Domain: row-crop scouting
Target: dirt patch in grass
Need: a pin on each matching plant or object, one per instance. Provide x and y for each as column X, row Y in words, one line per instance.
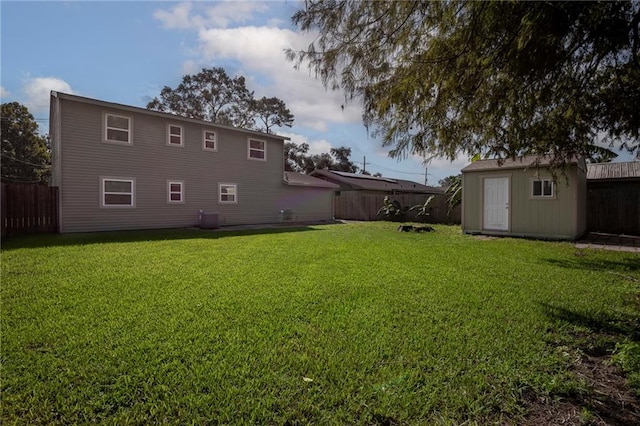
column 608, row 401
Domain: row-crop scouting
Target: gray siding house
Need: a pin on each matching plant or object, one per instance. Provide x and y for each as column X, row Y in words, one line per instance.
column 120, row 167
column 522, row 198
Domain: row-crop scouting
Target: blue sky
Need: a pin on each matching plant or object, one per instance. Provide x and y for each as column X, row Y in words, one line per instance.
column 125, row 52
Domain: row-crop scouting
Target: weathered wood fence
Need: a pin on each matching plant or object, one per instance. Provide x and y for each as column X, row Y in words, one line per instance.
column 356, row 205
column 613, row 208
column 28, row 209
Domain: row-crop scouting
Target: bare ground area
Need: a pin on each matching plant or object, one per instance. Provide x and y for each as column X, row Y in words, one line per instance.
column 608, row 400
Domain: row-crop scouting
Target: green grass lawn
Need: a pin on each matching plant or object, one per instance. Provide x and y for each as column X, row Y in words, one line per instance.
column 335, row 324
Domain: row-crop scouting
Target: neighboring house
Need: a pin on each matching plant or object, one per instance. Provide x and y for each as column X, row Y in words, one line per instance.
column 360, row 197
column 119, row 167
column 613, row 197
column 521, row 198
column 372, row 184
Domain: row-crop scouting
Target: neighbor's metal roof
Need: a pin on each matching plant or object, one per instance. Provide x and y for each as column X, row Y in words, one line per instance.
column 298, row 179
column 373, row 183
column 599, row 171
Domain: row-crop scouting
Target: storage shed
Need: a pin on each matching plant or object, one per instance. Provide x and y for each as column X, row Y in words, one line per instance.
column 613, row 197
column 521, row 198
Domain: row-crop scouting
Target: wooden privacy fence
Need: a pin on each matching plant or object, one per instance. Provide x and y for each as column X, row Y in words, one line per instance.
column 356, row 205
column 28, row 209
column 613, row 208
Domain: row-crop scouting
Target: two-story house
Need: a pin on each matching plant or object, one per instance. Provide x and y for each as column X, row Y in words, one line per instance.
column 120, row 167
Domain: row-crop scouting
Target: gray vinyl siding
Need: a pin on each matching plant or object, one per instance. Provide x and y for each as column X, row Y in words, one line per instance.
column 562, row 217
column 85, row 158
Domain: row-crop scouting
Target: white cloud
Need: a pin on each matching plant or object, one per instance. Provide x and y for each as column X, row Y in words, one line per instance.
column 179, row 17
column 315, row 147
column 4, row 93
column 257, row 52
column 219, row 15
column 37, row 92
column 261, row 50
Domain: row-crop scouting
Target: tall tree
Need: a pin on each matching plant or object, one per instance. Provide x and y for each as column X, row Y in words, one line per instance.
column 498, row 78
column 297, row 159
column 342, row 162
column 212, row 95
column 209, row 95
column 25, row 156
column 272, row 112
column 295, row 156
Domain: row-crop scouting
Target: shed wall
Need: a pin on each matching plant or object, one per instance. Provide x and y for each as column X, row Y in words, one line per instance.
column 85, row 158
column 562, row 217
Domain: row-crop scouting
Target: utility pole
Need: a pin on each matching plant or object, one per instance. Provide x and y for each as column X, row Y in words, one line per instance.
column 425, row 176
column 364, row 165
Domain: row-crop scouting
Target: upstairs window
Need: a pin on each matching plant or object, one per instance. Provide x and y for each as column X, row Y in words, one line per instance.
column 228, row 193
column 175, row 191
column 117, row 192
column 117, row 128
column 542, row 188
column 257, row 149
column 209, row 142
column 174, row 135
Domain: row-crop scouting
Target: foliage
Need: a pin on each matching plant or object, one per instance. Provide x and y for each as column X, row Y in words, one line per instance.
column 446, row 182
column 455, row 192
column 392, row 209
column 423, row 209
column 389, row 329
column 297, row 159
column 342, row 162
column 272, row 112
column 212, row 95
column 447, row 78
column 628, row 358
column 25, row 154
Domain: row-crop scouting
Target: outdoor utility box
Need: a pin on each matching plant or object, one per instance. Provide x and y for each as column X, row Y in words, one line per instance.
column 208, row 220
column 286, row 215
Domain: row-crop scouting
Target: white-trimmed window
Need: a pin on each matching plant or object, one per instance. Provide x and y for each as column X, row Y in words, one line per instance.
column 257, row 149
column 117, row 128
column 174, row 135
column 227, row 193
column 175, row 191
column 117, row 192
column 542, row 188
column 209, row 140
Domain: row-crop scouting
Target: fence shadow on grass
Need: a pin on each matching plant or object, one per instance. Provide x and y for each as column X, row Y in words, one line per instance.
column 75, row 239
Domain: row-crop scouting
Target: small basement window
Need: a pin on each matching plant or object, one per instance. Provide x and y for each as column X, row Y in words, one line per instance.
column 542, row 188
column 174, row 135
column 117, row 192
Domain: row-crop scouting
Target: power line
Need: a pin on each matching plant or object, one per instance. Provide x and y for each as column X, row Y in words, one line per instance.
column 42, row 166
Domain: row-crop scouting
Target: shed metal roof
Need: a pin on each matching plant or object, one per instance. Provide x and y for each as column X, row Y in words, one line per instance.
column 602, row 171
column 518, row 163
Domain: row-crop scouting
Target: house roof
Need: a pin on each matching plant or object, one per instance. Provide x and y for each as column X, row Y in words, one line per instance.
column 175, row 117
column 602, row 171
column 373, row 183
column 518, row 163
column 299, row 179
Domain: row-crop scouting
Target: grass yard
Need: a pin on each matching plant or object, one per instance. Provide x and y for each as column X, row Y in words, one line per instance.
column 335, row 324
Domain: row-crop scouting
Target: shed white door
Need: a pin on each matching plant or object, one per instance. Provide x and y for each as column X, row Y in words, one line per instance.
column 496, row 204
